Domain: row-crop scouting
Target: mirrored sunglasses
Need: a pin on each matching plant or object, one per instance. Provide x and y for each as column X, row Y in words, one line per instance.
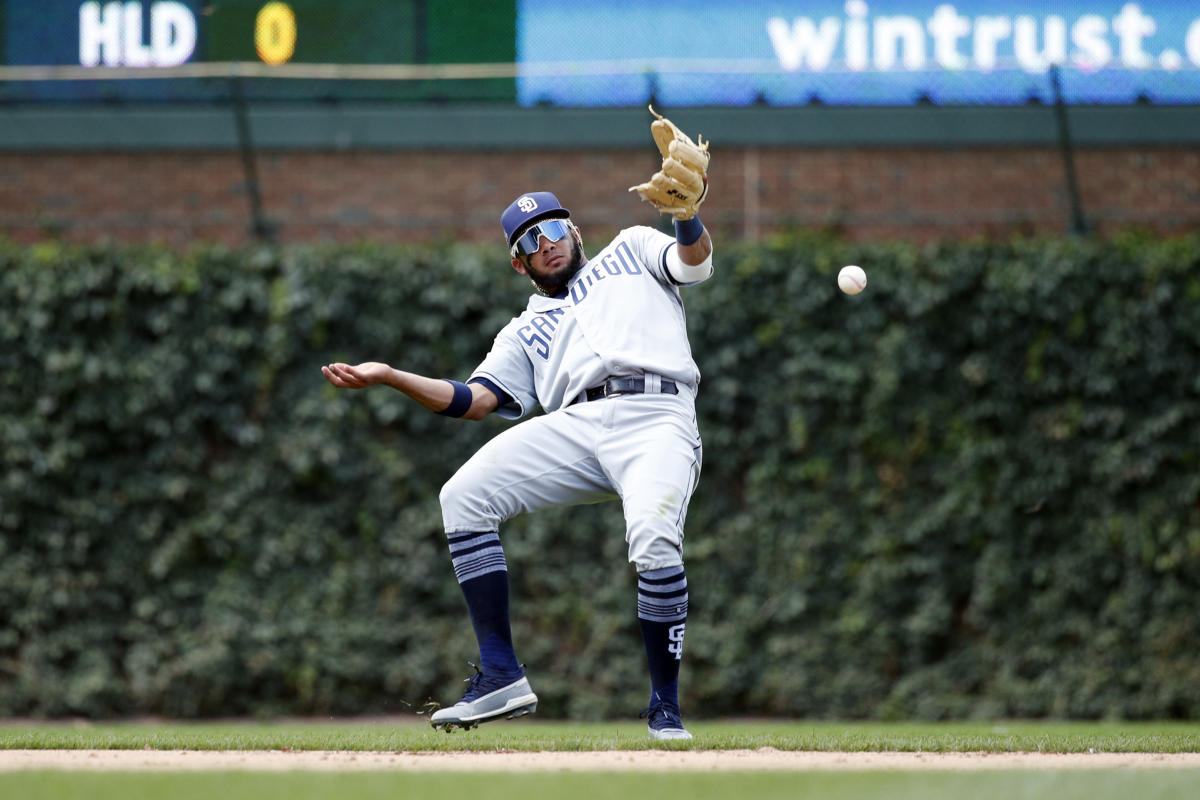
column 530, row 241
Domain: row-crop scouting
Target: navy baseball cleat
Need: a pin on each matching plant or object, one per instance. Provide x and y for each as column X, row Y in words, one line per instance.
column 664, row 723
column 487, row 699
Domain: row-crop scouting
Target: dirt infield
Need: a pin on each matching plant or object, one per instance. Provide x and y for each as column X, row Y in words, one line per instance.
column 614, row 760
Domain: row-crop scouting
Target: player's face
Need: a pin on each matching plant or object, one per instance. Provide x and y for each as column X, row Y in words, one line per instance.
column 553, row 264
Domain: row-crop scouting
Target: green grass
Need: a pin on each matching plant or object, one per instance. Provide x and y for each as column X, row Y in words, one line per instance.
column 410, row 735
column 1165, row 784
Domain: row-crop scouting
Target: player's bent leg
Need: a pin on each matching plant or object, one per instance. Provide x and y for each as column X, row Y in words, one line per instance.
column 523, row 469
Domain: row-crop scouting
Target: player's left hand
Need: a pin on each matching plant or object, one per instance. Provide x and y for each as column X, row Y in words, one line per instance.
column 681, row 185
column 368, row 373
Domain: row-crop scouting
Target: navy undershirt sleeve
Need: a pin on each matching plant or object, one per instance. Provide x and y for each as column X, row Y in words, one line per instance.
column 502, row 396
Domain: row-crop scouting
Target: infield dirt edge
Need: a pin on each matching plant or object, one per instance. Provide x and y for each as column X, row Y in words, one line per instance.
column 599, row 761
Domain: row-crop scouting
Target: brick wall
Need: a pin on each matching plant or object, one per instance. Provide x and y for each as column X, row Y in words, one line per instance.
column 917, row 194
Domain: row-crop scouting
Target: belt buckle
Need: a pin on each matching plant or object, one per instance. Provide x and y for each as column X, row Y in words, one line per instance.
column 607, row 394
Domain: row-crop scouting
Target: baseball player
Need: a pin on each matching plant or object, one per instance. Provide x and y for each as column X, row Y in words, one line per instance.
column 602, row 347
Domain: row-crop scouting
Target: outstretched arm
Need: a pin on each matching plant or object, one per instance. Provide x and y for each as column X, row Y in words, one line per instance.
column 433, row 393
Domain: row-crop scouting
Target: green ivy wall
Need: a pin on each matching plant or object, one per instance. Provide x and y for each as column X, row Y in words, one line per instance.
column 971, row 491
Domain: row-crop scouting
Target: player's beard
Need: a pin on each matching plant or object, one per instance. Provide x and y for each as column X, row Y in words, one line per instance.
column 554, row 283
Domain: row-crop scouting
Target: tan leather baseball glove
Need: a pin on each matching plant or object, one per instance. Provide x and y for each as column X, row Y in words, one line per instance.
column 681, row 185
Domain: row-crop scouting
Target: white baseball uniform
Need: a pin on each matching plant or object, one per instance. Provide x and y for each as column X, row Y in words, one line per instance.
column 621, row 315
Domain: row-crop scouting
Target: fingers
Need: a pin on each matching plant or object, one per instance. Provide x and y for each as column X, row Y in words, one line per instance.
column 343, row 376
column 332, row 376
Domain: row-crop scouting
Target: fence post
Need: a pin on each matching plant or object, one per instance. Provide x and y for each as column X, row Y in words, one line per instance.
column 260, row 228
column 1078, row 224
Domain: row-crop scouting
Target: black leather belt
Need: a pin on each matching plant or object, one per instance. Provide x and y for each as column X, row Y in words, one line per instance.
column 631, row 385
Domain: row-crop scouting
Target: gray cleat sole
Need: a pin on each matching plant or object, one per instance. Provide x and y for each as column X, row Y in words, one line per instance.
column 466, row 724
column 669, row 735
column 515, row 700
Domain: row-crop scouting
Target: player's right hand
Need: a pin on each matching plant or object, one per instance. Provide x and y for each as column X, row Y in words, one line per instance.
column 368, row 373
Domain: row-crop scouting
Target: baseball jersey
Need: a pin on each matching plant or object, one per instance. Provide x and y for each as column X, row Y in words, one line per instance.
column 621, row 315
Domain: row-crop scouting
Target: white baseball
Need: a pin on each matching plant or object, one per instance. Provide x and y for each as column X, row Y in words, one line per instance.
column 852, row 279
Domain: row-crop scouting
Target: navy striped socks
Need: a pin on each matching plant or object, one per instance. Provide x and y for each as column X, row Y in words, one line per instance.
column 482, row 574
column 662, row 614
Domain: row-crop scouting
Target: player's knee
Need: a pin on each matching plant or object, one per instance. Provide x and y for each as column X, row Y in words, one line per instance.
column 454, row 493
column 466, row 506
column 652, row 549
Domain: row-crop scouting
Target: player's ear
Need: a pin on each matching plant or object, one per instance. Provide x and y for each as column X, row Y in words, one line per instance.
column 519, row 266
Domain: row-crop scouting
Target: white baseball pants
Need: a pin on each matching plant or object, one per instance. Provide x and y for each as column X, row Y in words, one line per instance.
column 643, row 448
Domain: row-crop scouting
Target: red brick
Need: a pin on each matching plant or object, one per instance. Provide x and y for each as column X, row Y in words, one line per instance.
column 916, row 194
